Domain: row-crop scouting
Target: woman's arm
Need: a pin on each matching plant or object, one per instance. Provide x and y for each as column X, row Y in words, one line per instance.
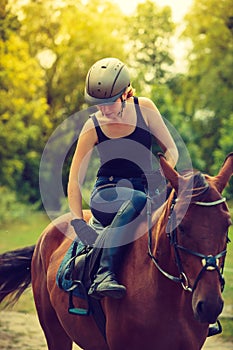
column 159, row 129
column 79, row 165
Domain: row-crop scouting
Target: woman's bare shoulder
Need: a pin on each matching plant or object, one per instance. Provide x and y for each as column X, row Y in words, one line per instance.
column 88, row 125
column 146, row 102
column 148, row 108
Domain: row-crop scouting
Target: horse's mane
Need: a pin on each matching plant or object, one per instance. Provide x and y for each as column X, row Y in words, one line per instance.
column 195, row 186
column 199, row 181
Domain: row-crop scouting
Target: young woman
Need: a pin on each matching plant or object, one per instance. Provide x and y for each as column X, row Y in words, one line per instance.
column 121, row 130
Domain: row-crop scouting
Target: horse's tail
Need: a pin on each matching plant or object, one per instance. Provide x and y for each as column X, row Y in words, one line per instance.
column 15, row 273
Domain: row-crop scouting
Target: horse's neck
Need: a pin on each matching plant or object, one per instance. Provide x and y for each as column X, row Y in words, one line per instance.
column 139, row 268
column 161, row 247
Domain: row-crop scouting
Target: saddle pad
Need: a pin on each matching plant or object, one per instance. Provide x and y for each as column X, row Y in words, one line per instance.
column 64, row 275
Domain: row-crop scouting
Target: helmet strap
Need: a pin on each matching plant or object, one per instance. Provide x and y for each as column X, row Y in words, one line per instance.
column 123, row 104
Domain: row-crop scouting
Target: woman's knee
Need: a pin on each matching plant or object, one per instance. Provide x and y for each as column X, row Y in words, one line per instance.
column 139, row 200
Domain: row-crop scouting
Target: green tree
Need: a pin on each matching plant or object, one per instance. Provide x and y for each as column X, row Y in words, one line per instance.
column 149, row 36
column 67, row 38
column 23, row 108
column 225, row 147
column 208, row 87
column 46, row 49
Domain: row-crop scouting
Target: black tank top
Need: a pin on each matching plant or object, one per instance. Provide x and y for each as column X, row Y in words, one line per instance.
column 128, row 156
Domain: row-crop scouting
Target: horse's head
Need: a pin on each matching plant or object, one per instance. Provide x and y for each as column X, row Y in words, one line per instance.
column 199, row 235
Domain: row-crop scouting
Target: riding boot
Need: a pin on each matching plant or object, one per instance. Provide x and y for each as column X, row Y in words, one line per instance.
column 105, row 282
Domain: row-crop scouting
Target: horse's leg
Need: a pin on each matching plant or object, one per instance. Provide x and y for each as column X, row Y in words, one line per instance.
column 56, row 337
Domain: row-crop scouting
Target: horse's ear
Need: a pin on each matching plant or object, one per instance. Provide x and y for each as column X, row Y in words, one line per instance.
column 171, row 175
column 224, row 174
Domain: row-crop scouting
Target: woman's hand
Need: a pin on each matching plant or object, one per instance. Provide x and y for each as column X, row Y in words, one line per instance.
column 84, row 232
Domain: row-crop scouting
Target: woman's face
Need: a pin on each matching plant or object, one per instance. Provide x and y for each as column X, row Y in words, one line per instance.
column 111, row 110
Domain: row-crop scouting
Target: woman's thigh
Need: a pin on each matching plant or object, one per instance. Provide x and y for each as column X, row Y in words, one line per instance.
column 106, row 202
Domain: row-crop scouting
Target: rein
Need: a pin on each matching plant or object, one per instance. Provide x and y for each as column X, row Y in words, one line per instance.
column 209, row 262
column 166, row 274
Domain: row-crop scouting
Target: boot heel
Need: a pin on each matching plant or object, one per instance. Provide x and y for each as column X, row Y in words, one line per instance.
column 109, row 287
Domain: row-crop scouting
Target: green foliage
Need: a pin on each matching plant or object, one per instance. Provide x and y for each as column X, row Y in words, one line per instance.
column 43, row 70
column 8, row 22
column 10, row 208
column 23, row 111
column 211, row 55
column 225, row 147
column 209, row 78
column 149, row 34
column 64, row 38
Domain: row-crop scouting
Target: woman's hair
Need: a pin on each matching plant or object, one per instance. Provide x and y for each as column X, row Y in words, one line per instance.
column 130, row 91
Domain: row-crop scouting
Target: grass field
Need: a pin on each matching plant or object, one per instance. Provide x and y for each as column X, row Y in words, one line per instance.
column 26, row 232
column 22, row 233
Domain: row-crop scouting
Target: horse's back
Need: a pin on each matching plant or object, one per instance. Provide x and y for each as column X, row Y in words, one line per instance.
column 52, row 247
column 58, row 235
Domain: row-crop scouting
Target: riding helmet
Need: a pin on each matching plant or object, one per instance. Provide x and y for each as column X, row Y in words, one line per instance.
column 106, row 81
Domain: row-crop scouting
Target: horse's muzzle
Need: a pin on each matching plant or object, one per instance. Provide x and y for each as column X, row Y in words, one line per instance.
column 207, row 310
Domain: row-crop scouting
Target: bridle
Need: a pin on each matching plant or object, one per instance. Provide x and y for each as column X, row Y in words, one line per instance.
column 209, row 262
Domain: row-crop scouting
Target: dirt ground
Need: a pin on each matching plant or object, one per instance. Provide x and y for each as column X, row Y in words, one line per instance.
column 20, row 331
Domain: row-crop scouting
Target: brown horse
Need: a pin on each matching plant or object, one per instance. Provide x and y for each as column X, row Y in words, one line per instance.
column 173, row 293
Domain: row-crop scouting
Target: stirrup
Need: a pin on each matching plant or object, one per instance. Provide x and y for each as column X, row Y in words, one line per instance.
column 215, row 329
column 74, row 310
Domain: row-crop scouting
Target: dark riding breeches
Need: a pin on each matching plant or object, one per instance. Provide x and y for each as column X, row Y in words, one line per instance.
column 110, row 194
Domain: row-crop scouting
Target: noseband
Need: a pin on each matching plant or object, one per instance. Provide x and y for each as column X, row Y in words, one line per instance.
column 209, row 262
